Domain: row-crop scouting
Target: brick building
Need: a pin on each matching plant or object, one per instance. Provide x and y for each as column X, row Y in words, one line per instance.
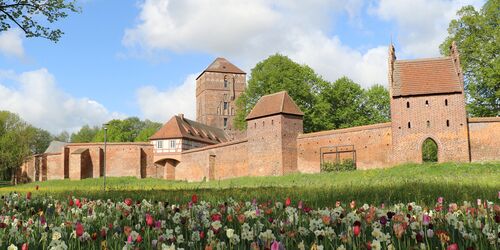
column 427, row 104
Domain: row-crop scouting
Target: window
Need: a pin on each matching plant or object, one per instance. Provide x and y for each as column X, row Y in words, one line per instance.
column 447, row 123
column 408, row 104
column 225, row 81
column 426, row 103
column 225, row 105
column 159, row 144
column 445, row 102
column 428, row 124
column 409, row 125
column 225, row 122
column 172, row 143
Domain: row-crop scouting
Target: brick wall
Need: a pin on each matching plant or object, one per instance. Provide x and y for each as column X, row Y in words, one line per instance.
column 221, row 161
column 54, row 167
column 439, row 117
column 372, row 145
column 484, row 138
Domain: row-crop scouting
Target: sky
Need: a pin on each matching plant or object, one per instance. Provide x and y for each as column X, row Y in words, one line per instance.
column 140, row 58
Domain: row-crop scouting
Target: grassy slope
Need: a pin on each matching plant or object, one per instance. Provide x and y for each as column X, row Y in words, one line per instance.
column 421, row 183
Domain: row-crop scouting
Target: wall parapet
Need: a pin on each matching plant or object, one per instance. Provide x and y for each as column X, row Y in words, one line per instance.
column 483, row 119
column 224, row 144
column 345, row 130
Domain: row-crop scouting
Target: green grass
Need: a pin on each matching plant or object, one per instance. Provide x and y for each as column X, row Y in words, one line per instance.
column 405, row 183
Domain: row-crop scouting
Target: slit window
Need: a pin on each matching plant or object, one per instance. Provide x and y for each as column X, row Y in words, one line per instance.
column 428, row 124
column 225, row 122
column 408, row 104
column 409, row 125
column 447, row 123
column 225, row 81
column 426, row 103
column 445, row 102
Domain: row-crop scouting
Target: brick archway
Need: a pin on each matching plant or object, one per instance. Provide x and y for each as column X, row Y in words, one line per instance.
column 429, row 150
column 168, row 166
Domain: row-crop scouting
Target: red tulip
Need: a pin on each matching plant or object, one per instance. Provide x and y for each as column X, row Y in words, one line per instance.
column 216, row 217
column 149, row 220
column 71, row 203
column 128, row 201
column 103, row 233
column 25, row 246
column 139, row 239
column 453, row 246
column 194, row 198
column 79, row 229
column 28, row 195
column 288, row 202
column 356, row 230
column 202, row 235
column 77, row 203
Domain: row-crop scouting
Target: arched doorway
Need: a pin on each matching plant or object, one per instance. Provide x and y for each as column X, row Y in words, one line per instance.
column 166, row 168
column 429, row 150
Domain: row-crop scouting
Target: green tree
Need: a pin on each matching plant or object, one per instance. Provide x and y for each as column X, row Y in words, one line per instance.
column 341, row 105
column 477, row 35
column 28, row 15
column 147, row 131
column 39, row 139
column 377, row 104
column 278, row 73
column 63, row 136
column 85, row 134
column 14, row 143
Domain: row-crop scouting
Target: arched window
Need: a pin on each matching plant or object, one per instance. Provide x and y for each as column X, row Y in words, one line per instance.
column 429, row 151
column 428, row 124
column 225, row 81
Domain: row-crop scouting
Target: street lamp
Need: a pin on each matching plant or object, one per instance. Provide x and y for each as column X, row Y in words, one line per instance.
column 104, row 161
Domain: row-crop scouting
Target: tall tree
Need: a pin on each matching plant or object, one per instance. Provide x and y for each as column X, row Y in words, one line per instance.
column 63, row 136
column 85, row 134
column 28, row 15
column 278, row 73
column 477, row 35
column 14, row 143
column 147, row 131
column 377, row 104
column 39, row 139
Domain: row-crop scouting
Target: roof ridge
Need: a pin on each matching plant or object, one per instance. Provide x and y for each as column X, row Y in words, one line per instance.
column 425, row 59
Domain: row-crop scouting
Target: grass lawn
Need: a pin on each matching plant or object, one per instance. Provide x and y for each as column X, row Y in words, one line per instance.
column 411, row 182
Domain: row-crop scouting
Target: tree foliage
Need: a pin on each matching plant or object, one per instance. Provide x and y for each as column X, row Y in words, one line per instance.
column 29, row 16
column 477, row 35
column 326, row 105
column 126, row 130
column 85, row 134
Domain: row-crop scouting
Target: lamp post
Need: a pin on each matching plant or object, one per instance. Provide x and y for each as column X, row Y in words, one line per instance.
column 104, row 161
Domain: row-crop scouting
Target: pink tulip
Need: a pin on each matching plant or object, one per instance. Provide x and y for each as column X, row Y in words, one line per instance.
column 426, row 219
column 300, row 205
column 479, row 203
column 149, row 220
column 275, row 245
column 440, row 200
column 453, row 246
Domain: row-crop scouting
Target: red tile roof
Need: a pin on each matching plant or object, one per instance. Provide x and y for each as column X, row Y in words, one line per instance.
column 277, row 103
column 425, row 76
column 222, row 65
column 180, row 127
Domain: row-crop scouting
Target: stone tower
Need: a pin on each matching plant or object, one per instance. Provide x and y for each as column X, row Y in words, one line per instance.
column 427, row 102
column 272, row 129
column 217, row 89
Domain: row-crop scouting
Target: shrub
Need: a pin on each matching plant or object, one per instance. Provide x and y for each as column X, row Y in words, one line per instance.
column 340, row 166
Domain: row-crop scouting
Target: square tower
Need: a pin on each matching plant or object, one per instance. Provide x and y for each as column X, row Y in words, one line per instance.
column 217, row 89
column 427, row 102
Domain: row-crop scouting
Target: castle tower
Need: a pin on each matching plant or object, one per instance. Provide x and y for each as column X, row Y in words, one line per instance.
column 272, row 129
column 427, row 102
column 217, row 89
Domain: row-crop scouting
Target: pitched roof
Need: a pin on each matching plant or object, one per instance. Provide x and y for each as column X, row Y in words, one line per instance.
column 277, row 103
column 222, row 65
column 425, row 76
column 180, row 127
column 55, row 147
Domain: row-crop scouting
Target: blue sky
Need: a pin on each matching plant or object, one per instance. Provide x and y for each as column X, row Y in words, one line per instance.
column 140, row 58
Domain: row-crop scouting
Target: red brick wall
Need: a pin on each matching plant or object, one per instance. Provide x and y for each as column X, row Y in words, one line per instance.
column 484, row 138
column 230, row 161
column 291, row 127
column 372, row 145
column 451, row 140
column 55, row 167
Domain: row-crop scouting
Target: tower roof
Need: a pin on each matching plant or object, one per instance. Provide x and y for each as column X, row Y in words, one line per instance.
column 425, row 76
column 180, row 127
column 277, row 103
column 222, row 65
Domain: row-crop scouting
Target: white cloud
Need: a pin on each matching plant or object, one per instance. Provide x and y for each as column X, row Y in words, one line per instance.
column 422, row 24
column 36, row 98
column 11, row 43
column 162, row 105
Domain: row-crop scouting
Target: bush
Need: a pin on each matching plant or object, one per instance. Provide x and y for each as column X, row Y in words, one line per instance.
column 341, row 166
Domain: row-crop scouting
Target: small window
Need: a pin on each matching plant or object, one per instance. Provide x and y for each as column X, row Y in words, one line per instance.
column 409, row 125
column 225, row 122
column 445, row 102
column 172, row 143
column 426, row 103
column 408, row 104
column 447, row 123
column 159, row 144
column 225, row 81
column 254, row 125
column 225, row 105
column 272, row 122
column 428, row 124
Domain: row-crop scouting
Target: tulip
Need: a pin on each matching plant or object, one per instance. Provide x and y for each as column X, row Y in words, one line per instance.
column 28, row 195
column 300, row 205
column 440, row 200
column 77, row 203
column 149, row 220
column 139, row 239
column 353, row 204
column 453, row 246
column 71, row 203
column 479, row 203
column 194, row 198
column 356, row 230
column 128, row 201
column 79, row 229
column 25, row 246
column 288, row 201
column 275, row 245
column 202, row 234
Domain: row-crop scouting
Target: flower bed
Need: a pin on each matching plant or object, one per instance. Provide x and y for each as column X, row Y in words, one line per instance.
column 45, row 223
